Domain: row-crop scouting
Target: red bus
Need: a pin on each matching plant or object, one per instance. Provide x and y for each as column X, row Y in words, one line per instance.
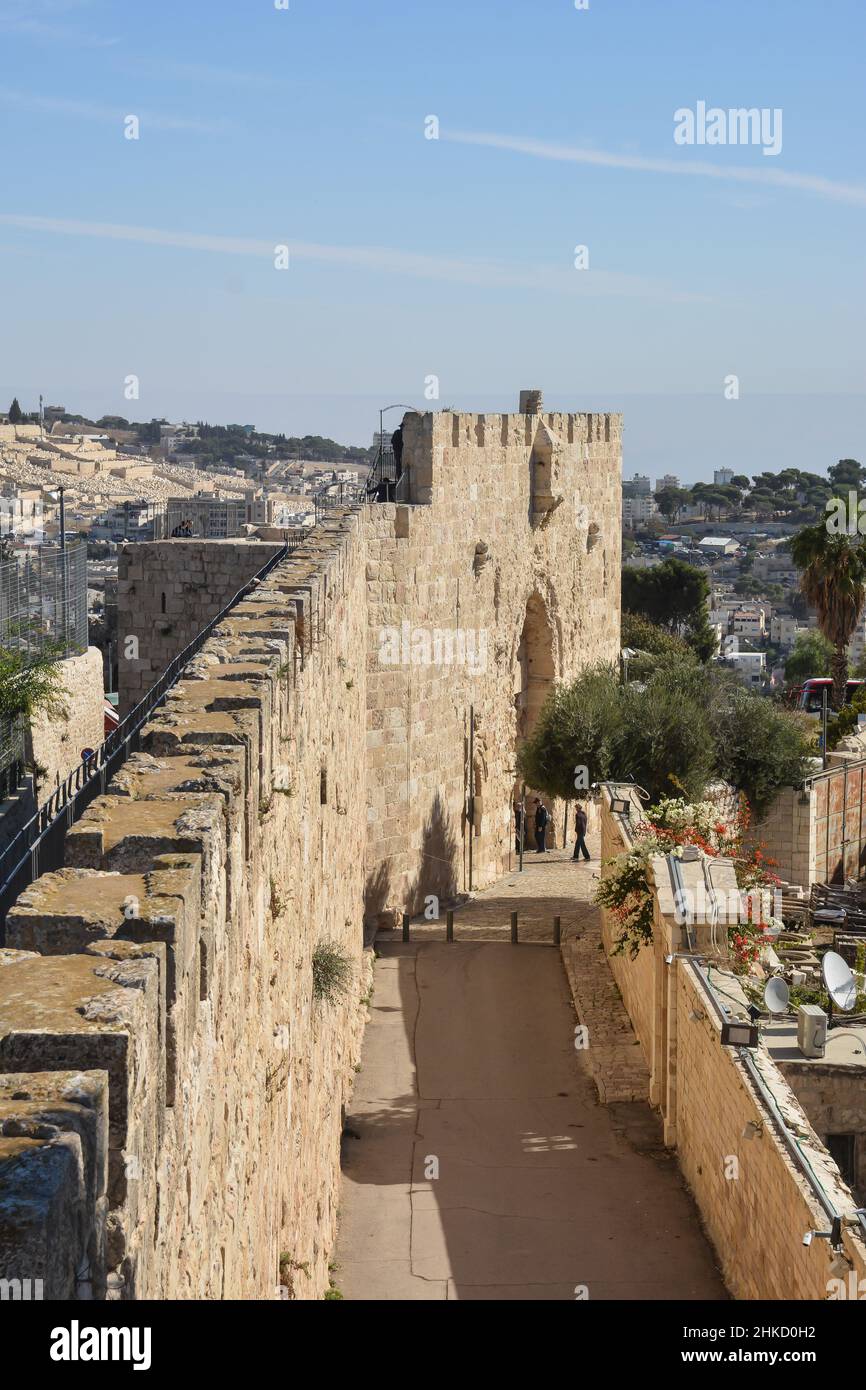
column 810, row 696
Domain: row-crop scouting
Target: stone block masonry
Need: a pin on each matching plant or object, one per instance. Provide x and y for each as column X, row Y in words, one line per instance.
column 509, row 546
column 167, row 591
column 56, row 741
column 755, row 1201
column 171, row 1089
column 343, row 747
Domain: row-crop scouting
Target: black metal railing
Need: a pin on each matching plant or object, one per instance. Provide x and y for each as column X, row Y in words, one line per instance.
column 11, row 758
column 386, row 481
column 38, row 846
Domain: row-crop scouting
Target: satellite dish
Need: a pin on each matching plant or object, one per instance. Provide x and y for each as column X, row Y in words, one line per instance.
column 777, row 995
column 839, row 980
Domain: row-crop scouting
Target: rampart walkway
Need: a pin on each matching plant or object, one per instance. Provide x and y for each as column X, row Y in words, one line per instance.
column 469, row 1065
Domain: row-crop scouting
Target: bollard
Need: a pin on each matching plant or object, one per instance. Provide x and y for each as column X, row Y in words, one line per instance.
column 449, row 926
column 405, row 926
column 514, row 928
column 557, row 931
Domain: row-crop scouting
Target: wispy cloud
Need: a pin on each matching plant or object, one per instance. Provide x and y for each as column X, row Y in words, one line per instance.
column 90, row 111
column 387, row 260
column 852, row 193
column 38, row 19
column 199, row 72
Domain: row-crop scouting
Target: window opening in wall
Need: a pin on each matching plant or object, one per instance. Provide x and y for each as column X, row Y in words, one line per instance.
column 323, row 787
column 841, row 1148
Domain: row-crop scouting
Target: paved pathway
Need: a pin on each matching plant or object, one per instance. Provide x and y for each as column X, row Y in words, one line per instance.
column 469, row 1071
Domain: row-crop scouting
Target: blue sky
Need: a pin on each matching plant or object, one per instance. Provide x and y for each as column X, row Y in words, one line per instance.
column 453, row 257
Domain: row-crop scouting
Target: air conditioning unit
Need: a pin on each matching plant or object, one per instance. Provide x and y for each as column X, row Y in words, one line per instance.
column 811, row 1030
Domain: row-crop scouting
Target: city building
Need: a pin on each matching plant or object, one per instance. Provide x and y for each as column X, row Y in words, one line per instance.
column 637, row 511
column 718, row 545
column 748, row 622
column 722, row 477
column 637, row 486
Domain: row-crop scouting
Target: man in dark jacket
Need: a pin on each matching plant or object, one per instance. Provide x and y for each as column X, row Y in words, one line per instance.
column 541, row 819
column 580, row 831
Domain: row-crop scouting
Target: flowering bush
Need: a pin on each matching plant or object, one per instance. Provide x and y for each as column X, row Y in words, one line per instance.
column 666, row 828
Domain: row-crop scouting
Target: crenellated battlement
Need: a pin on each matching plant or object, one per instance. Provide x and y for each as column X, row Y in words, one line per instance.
column 300, row 785
column 167, row 967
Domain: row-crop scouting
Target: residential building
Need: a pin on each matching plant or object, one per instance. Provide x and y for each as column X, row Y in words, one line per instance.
column 748, row 622
column 637, row 486
column 637, row 510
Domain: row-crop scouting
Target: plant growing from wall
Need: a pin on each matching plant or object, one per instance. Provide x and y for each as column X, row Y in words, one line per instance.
column 332, row 973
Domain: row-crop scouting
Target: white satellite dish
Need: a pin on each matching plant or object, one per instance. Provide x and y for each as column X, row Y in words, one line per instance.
column 777, row 995
column 839, row 980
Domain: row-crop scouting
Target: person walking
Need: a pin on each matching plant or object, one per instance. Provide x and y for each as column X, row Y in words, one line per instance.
column 580, row 823
column 541, row 819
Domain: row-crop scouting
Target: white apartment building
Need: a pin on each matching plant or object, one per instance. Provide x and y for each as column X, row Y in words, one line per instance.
column 722, row 477
column 637, row 511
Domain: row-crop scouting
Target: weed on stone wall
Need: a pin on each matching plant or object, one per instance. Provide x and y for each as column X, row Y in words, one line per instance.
column 332, row 973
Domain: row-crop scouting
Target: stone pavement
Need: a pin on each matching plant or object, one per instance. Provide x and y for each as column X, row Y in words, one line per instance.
column 478, row 1163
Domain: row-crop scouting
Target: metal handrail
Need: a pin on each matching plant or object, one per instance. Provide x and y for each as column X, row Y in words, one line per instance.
column 90, row 778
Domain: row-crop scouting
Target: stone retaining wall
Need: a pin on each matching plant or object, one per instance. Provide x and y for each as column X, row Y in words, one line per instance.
column 754, row 1200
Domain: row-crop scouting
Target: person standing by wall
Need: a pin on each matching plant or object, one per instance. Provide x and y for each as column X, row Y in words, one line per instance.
column 541, row 819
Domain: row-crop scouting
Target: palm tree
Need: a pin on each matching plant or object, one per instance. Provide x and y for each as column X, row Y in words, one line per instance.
column 833, row 581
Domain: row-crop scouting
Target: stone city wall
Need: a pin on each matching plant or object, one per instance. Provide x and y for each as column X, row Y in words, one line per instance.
column 754, row 1200
column 171, row 1089
column 167, row 591
column 56, row 741
column 499, row 576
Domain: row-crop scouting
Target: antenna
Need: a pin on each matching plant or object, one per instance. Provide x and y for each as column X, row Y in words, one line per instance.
column 777, row 995
column 840, row 984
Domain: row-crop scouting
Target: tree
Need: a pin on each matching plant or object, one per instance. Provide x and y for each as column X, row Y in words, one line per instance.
column 809, row 656
column 686, row 725
column 834, row 582
column 15, row 413
column 654, row 645
column 671, row 594
column 577, row 727
column 670, row 502
column 674, row 596
column 760, row 747
column 31, row 686
column 665, row 740
column 847, row 474
column 645, row 636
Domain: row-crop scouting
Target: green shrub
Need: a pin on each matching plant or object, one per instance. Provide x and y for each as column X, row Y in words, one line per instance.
column 332, row 973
